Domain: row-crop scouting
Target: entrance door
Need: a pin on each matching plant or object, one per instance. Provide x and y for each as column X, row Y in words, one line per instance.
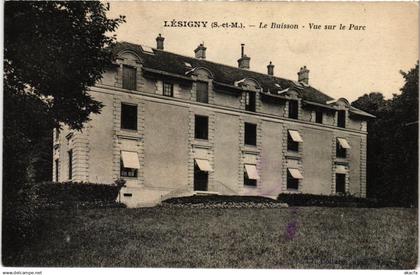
column 200, row 179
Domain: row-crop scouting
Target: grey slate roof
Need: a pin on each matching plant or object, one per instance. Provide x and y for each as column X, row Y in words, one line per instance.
column 175, row 64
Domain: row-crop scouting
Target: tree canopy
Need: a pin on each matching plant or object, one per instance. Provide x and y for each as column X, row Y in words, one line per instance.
column 392, row 168
column 53, row 51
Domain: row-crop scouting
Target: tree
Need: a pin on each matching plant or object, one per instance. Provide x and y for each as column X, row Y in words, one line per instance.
column 393, row 143
column 53, row 51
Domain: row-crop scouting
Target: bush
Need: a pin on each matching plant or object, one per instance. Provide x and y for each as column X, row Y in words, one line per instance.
column 23, row 209
column 329, row 201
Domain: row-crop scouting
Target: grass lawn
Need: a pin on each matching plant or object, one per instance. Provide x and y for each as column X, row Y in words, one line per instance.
column 295, row 237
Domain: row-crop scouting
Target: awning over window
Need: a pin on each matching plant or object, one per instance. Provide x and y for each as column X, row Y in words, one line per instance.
column 343, row 143
column 203, row 164
column 295, row 173
column 295, row 136
column 130, row 160
column 251, row 171
column 340, row 169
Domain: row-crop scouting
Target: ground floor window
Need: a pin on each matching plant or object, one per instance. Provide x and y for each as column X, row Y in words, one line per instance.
column 129, row 164
column 340, row 183
column 201, row 179
column 56, row 170
column 293, row 177
column 250, row 175
column 70, row 155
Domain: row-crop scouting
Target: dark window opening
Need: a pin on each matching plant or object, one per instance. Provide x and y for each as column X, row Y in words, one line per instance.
column 57, row 133
column 250, row 101
column 127, row 172
column 340, row 151
column 129, row 78
column 341, row 119
column 250, row 134
column 128, row 117
column 291, row 144
column 202, row 92
column 168, row 89
column 292, row 183
column 200, row 179
column 70, row 153
column 293, row 109
column 318, row 116
column 340, row 183
column 248, row 181
column 56, row 170
column 201, row 127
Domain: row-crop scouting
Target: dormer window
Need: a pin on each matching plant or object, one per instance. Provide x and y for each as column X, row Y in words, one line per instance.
column 293, row 109
column 168, row 89
column 129, row 80
column 318, row 116
column 341, row 119
column 202, row 92
column 250, row 101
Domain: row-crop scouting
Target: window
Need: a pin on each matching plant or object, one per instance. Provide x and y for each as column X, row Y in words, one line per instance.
column 57, row 133
column 250, row 134
column 70, row 154
column 129, row 164
column 341, row 119
column 293, row 139
column 292, row 182
column 201, row 178
column 293, row 109
column 201, row 127
column 250, row 101
column 341, row 147
column 202, row 92
column 168, row 89
column 340, row 183
column 250, row 175
column 56, row 170
column 128, row 116
column 318, row 117
column 129, row 78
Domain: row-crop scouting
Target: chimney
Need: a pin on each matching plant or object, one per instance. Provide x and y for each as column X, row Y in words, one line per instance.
column 200, row 51
column 303, row 75
column 159, row 42
column 270, row 69
column 243, row 62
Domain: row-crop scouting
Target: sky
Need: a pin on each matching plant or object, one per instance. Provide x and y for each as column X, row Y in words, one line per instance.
column 342, row 63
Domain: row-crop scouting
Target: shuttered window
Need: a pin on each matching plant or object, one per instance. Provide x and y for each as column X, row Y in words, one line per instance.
column 129, row 78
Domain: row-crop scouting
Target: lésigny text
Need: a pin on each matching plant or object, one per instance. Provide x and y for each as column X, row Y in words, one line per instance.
column 186, row 24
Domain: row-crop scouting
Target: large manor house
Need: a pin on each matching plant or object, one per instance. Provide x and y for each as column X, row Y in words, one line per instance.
column 175, row 125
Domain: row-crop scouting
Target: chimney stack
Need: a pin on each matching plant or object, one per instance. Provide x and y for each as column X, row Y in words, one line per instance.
column 303, row 75
column 243, row 62
column 200, row 51
column 270, row 69
column 159, row 42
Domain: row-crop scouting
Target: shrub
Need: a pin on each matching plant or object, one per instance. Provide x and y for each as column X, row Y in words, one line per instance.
column 325, row 200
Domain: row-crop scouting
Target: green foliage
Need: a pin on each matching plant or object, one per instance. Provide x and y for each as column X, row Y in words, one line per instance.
column 392, row 164
column 328, row 201
column 53, row 51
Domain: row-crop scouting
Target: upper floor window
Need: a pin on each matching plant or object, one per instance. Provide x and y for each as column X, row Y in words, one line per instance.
column 250, row 101
column 128, row 116
column 201, row 128
column 293, row 109
column 341, row 147
column 318, row 116
column 341, row 119
column 202, row 92
column 250, row 134
column 168, row 89
column 293, row 139
column 129, row 78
